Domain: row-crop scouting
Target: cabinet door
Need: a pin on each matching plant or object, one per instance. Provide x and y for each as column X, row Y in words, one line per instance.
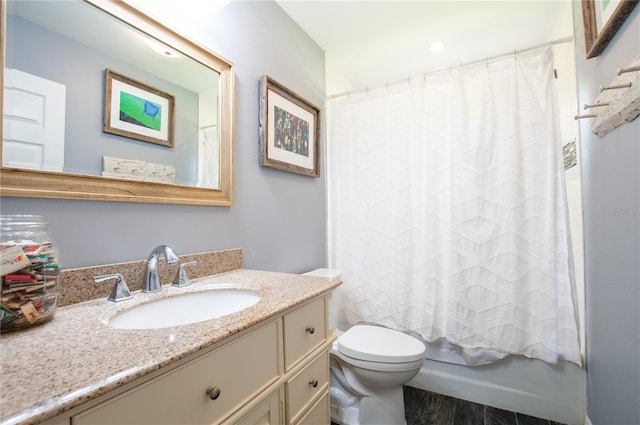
column 58, row 421
column 266, row 413
column 304, row 330
column 239, row 370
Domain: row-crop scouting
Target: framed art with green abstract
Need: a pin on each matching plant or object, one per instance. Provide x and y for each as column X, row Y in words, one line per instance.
column 135, row 110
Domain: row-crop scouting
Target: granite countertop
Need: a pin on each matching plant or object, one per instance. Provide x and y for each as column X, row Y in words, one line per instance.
column 54, row 367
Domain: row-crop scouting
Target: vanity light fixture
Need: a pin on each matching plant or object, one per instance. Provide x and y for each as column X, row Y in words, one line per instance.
column 436, row 46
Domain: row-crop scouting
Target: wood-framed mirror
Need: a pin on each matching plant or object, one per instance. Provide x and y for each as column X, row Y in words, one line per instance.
column 191, row 164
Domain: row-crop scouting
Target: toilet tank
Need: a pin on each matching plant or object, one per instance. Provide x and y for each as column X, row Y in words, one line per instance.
column 329, row 273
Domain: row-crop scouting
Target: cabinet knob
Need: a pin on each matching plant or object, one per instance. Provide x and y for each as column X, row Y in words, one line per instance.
column 314, row 383
column 311, row 329
column 213, row 392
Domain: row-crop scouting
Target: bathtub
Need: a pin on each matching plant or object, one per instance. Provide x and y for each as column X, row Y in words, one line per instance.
column 515, row 383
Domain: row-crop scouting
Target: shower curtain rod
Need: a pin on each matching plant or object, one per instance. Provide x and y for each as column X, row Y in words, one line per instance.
column 563, row 40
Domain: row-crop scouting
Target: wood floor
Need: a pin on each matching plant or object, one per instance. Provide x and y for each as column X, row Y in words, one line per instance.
column 426, row 408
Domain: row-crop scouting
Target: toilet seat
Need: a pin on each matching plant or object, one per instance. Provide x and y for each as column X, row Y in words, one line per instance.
column 377, row 344
column 378, row 366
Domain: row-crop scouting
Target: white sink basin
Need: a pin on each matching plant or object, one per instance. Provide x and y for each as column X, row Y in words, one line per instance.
column 185, row 309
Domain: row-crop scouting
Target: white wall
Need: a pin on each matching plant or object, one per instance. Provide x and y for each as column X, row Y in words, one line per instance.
column 278, row 219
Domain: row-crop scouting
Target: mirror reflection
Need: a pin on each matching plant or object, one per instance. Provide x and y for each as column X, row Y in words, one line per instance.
column 61, row 107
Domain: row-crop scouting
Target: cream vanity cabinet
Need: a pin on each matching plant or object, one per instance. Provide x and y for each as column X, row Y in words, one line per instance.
column 277, row 372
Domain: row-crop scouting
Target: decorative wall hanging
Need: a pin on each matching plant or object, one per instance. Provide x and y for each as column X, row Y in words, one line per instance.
column 289, row 130
column 618, row 103
column 138, row 111
column 601, row 20
column 133, row 169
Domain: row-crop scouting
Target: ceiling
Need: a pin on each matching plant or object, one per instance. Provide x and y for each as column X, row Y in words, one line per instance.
column 370, row 43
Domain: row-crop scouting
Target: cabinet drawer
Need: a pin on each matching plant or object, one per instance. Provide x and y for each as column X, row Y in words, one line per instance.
column 319, row 414
column 239, row 369
column 304, row 329
column 306, row 385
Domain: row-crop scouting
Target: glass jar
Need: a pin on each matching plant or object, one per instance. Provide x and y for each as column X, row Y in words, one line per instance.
column 30, row 272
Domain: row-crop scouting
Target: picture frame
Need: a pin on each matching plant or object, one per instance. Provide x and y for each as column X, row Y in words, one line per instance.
column 601, row 21
column 138, row 111
column 289, row 130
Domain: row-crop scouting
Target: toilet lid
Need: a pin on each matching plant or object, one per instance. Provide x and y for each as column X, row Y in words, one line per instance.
column 378, row 344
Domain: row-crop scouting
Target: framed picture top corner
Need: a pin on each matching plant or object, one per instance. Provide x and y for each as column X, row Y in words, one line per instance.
column 601, row 21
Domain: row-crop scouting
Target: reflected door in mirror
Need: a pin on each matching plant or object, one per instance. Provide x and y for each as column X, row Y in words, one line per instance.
column 34, row 112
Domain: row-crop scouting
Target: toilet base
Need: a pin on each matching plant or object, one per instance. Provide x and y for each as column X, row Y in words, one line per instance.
column 384, row 407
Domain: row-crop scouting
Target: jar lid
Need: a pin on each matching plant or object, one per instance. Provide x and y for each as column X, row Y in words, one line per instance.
column 21, row 219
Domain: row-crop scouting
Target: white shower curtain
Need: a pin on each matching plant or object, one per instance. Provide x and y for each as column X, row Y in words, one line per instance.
column 447, row 211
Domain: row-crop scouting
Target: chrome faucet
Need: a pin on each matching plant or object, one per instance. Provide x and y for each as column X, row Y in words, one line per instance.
column 152, row 278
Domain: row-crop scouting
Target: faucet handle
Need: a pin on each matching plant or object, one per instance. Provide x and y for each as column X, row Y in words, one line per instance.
column 182, row 279
column 120, row 290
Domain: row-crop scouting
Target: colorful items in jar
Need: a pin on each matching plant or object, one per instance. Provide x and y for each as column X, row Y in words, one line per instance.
column 30, row 278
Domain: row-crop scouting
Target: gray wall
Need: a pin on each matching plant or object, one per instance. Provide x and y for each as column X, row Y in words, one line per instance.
column 611, row 192
column 278, row 219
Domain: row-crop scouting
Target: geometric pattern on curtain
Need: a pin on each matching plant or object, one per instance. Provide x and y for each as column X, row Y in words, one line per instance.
column 448, row 214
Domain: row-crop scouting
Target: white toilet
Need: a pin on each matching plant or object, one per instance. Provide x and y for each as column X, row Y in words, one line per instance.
column 369, row 366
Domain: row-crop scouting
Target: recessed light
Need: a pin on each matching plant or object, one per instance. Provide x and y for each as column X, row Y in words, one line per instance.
column 162, row 49
column 436, row 46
